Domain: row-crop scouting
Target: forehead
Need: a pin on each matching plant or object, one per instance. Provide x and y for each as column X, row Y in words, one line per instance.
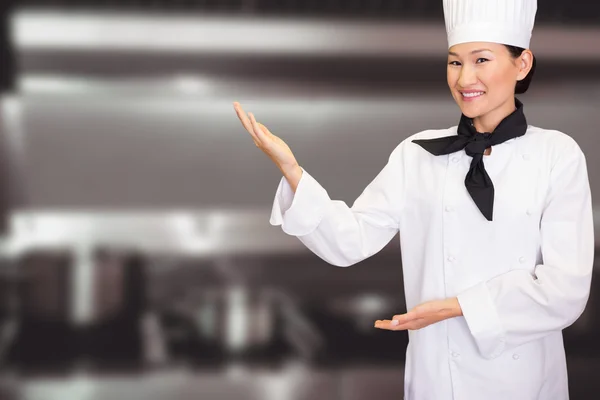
column 465, row 49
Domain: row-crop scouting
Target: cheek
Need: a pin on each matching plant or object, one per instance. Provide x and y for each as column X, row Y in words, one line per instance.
column 452, row 77
column 499, row 79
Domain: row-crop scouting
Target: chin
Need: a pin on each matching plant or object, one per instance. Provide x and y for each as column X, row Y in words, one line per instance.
column 470, row 113
column 472, row 110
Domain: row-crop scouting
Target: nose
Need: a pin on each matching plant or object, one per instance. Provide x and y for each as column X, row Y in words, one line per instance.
column 467, row 77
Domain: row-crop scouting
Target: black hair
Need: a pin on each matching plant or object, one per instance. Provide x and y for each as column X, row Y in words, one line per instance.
column 523, row 84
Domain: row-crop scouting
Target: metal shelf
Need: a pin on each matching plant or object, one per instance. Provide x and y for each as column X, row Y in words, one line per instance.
column 551, row 12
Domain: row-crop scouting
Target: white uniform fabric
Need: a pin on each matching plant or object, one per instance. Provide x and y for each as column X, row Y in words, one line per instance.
column 498, row 21
column 520, row 279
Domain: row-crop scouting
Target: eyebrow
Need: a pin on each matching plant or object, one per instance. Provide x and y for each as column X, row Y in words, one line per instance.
column 473, row 52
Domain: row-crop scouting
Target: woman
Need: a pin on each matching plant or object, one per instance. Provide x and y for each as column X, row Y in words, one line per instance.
column 495, row 223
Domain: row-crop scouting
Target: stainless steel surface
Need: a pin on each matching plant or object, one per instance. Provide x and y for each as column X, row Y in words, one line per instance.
column 293, row 382
column 203, row 234
column 39, row 30
column 289, row 383
column 182, row 233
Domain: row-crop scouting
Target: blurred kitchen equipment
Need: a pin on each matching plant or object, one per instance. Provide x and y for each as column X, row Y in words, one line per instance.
column 113, row 335
column 44, row 336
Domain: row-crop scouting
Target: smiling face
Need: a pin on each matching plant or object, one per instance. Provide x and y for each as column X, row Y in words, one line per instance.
column 482, row 77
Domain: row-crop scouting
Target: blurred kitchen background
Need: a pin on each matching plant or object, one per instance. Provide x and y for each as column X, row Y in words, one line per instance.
column 137, row 260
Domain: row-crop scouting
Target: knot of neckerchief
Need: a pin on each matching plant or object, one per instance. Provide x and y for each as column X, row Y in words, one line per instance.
column 478, row 183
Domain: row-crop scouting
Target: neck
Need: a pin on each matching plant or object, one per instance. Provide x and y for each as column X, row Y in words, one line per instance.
column 488, row 122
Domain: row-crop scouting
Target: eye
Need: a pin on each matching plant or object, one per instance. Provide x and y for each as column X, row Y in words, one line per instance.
column 454, row 63
column 482, row 60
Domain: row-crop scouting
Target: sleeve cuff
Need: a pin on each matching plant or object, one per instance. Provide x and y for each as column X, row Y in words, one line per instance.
column 299, row 213
column 483, row 320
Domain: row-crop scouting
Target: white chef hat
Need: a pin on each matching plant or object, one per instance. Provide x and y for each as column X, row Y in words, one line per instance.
column 498, row 21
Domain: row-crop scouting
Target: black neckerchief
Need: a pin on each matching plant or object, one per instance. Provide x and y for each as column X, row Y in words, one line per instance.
column 478, row 183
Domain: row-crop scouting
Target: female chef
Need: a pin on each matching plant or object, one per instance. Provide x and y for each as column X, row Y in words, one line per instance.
column 495, row 222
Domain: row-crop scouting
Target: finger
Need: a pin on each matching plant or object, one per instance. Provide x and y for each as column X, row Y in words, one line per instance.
column 386, row 324
column 411, row 325
column 248, row 126
column 242, row 116
column 264, row 129
column 258, row 133
column 404, row 318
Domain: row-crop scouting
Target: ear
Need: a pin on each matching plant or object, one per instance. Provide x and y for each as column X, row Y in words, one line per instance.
column 524, row 63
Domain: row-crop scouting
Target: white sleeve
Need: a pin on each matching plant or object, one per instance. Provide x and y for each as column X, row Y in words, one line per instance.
column 518, row 306
column 339, row 234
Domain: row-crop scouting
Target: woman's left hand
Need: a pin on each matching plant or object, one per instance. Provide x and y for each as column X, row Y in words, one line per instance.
column 422, row 315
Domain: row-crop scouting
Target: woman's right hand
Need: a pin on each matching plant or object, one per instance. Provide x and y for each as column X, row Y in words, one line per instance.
column 275, row 148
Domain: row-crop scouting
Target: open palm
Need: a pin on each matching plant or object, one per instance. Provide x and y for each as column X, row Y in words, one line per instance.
column 275, row 148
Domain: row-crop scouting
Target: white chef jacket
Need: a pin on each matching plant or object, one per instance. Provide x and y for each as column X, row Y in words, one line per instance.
column 520, row 279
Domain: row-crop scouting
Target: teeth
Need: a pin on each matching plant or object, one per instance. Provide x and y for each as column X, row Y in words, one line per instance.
column 474, row 94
